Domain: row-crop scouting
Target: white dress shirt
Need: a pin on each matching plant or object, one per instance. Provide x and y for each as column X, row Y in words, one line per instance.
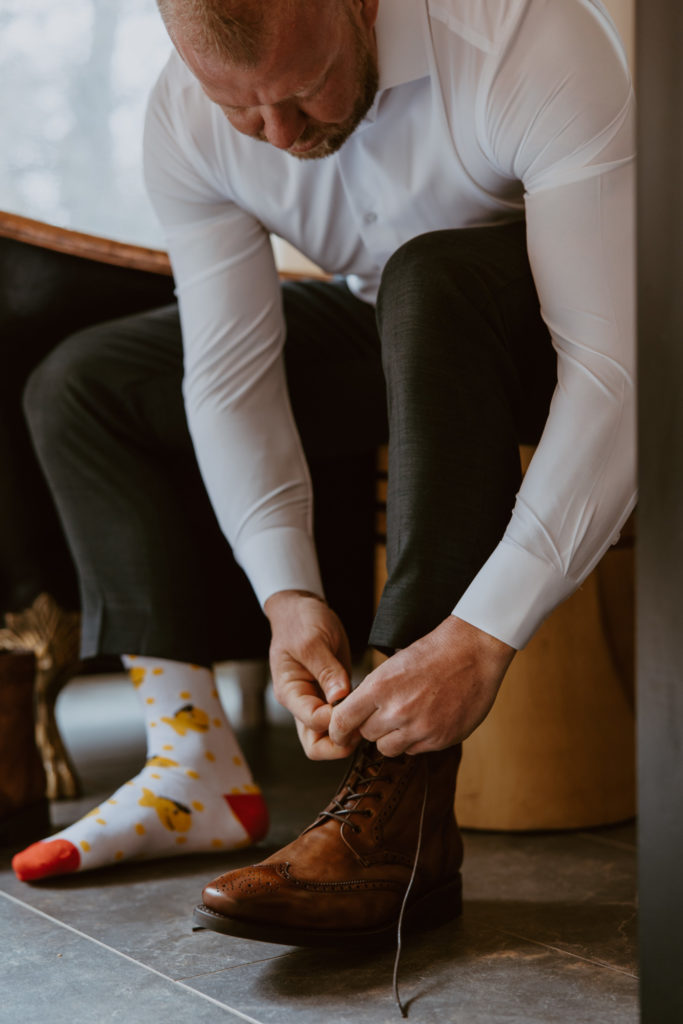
column 487, row 110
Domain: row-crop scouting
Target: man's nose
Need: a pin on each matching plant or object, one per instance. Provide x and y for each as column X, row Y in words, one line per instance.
column 282, row 125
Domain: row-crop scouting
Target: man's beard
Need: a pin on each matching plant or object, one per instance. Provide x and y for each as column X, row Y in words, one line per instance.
column 333, row 137
column 329, row 138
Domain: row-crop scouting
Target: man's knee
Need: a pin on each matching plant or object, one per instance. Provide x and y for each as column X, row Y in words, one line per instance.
column 424, row 286
column 411, row 265
column 446, row 285
column 53, row 392
column 427, row 271
column 453, row 262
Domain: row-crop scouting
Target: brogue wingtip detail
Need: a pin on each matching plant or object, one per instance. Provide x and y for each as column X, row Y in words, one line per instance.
column 346, row 875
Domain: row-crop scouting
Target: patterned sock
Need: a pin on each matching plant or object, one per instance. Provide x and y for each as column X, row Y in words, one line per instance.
column 194, row 794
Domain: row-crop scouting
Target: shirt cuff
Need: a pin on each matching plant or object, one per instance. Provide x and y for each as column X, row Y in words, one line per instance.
column 512, row 594
column 282, row 558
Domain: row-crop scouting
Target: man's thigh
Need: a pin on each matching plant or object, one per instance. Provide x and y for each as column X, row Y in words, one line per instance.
column 464, row 303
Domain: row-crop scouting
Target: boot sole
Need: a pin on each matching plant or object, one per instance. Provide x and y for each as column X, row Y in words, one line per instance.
column 433, row 909
column 26, row 825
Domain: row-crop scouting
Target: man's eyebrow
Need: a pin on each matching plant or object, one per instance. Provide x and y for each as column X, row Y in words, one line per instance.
column 303, row 93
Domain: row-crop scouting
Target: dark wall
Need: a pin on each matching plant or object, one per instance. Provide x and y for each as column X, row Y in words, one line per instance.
column 660, row 518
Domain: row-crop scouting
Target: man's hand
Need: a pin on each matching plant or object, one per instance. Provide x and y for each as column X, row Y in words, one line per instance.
column 428, row 696
column 310, row 664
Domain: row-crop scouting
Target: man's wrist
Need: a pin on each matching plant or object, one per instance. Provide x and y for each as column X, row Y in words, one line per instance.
column 485, row 644
column 284, row 599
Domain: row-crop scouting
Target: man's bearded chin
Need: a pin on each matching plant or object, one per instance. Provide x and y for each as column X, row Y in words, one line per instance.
column 332, row 137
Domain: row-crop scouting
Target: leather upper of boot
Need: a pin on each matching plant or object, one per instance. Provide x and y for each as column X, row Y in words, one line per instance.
column 351, row 867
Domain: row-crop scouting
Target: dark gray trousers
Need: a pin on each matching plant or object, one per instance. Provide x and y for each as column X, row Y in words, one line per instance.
column 457, row 370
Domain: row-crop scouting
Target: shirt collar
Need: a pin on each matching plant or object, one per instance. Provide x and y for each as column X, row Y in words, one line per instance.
column 402, row 54
column 401, row 49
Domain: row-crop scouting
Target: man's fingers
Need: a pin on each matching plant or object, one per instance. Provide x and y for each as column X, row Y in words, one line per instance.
column 325, row 750
column 394, row 743
column 303, row 700
column 303, row 703
column 320, row 719
column 350, row 715
column 328, row 672
column 319, row 747
column 321, row 724
column 308, row 642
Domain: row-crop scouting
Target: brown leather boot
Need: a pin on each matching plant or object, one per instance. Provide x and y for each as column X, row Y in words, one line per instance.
column 24, row 810
column 346, row 875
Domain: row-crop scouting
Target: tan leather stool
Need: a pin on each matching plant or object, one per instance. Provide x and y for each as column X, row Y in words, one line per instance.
column 557, row 750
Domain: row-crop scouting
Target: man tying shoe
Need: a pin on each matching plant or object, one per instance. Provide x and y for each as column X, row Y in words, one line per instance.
column 463, row 169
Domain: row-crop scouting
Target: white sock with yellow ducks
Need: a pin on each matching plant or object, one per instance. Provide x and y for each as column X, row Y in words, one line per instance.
column 195, row 793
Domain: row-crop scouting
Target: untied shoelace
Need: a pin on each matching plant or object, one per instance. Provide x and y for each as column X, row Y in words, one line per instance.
column 418, row 847
column 342, row 814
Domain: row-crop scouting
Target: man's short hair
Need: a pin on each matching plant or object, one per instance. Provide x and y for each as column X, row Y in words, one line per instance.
column 236, row 30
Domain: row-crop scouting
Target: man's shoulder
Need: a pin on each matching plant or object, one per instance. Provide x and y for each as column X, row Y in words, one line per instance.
column 489, row 24
column 179, row 110
column 480, row 22
column 175, row 77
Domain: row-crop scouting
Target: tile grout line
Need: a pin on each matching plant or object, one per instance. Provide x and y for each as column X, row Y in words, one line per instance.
column 125, row 956
column 236, row 967
column 568, row 952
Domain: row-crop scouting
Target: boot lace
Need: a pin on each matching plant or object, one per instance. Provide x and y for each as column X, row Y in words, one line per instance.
column 342, row 807
column 402, row 1006
column 341, row 810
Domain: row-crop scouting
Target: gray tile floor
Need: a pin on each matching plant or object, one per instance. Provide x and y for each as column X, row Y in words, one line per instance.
column 547, row 937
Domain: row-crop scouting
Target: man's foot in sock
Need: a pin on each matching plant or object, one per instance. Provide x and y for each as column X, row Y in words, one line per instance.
column 195, row 793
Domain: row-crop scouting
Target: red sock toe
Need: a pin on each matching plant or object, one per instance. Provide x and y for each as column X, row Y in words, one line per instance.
column 40, row 860
column 250, row 809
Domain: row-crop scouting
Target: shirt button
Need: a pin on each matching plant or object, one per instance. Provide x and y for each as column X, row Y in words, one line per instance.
column 370, row 217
